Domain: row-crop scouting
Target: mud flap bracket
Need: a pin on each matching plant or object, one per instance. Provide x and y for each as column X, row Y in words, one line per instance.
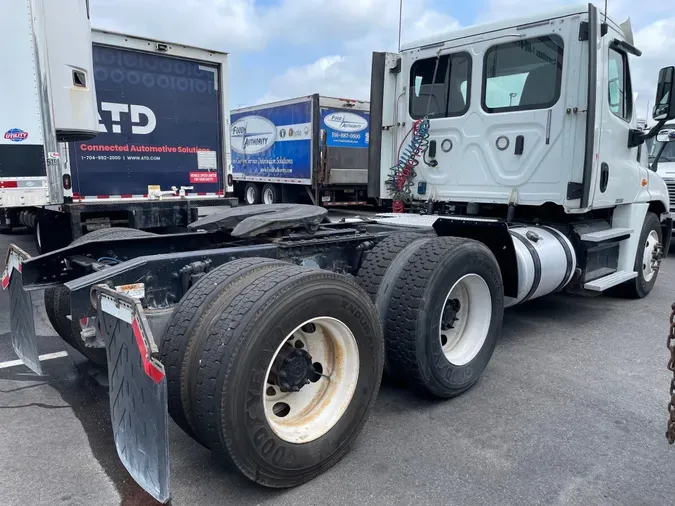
column 138, row 392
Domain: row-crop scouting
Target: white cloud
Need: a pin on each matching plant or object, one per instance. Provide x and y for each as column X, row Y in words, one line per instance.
column 225, row 25
column 657, row 43
column 334, row 75
column 505, row 9
column 373, row 27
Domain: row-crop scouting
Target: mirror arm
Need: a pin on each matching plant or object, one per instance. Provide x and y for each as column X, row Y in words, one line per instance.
column 637, row 137
column 655, row 164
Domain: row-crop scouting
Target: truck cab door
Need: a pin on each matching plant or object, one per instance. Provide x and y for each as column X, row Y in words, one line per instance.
column 497, row 110
column 618, row 173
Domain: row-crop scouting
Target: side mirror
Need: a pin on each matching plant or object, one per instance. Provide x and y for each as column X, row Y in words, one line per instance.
column 664, row 109
column 666, row 135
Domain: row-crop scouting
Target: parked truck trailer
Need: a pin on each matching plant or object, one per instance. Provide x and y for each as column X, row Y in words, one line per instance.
column 159, row 150
column 263, row 330
column 312, row 149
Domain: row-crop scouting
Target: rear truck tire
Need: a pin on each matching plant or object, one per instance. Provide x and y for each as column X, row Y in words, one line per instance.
column 647, row 261
column 381, row 268
column 271, row 194
column 51, row 232
column 289, row 372
column 445, row 316
column 37, row 232
column 252, row 193
column 57, row 300
column 182, row 337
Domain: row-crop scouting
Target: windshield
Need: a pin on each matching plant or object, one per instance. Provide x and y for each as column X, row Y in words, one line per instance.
column 668, row 154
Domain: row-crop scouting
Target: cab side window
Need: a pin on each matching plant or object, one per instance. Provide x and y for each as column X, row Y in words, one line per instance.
column 619, row 91
column 440, row 87
column 523, row 75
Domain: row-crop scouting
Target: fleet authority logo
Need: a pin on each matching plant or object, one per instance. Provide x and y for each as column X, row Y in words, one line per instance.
column 252, row 134
column 345, row 122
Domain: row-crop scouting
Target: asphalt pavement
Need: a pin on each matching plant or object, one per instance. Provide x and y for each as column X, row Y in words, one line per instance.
column 571, row 410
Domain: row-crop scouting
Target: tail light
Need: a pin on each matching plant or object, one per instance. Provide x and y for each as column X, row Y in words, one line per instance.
column 66, row 182
column 230, row 180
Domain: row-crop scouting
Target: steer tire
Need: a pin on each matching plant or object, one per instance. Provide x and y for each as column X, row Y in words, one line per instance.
column 251, row 327
column 57, row 300
column 413, row 329
column 639, row 287
column 187, row 326
column 381, row 268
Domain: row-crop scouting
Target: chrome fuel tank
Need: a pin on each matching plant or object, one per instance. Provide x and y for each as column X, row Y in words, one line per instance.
column 546, row 262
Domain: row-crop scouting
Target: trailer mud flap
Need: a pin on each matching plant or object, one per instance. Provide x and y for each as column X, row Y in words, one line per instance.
column 22, row 325
column 138, row 394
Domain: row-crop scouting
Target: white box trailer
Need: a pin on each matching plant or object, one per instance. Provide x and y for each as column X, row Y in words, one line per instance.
column 46, row 97
column 156, row 150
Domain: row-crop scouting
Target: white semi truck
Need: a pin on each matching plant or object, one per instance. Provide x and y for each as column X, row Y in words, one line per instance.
column 263, row 331
column 662, row 158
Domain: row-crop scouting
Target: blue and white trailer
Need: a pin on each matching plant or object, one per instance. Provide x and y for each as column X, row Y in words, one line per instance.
column 311, row 148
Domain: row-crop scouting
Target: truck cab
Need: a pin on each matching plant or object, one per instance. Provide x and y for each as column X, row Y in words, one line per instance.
column 531, row 121
column 527, row 112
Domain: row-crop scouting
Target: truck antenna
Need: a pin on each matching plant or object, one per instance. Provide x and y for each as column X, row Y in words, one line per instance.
column 400, row 23
column 605, row 11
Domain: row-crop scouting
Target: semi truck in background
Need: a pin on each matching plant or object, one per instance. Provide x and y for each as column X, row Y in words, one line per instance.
column 310, row 149
column 662, row 159
column 157, row 150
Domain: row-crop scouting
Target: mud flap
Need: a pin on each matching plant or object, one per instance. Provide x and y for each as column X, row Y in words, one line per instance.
column 138, row 394
column 22, row 325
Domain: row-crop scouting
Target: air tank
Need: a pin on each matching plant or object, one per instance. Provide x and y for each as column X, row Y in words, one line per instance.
column 546, row 262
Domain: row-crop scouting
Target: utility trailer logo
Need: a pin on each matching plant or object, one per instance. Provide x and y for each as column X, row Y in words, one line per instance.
column 345, row 122
column 16, row 135
column 252, row 134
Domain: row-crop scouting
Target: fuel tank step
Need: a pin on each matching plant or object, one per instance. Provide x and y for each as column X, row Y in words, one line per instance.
column 606, row 235
column 602, row 284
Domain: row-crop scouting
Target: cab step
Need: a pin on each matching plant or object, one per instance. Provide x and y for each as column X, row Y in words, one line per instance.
column 602, row 284
column 607, row 235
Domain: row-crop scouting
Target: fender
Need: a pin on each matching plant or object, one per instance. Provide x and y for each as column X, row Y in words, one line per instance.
column 491, row 232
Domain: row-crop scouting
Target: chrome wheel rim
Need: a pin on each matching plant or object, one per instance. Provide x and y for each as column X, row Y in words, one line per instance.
column 650, row 260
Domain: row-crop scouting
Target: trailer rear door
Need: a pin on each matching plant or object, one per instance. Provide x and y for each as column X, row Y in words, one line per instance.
column 160, row 125
column 23, row 170
column 346, row 133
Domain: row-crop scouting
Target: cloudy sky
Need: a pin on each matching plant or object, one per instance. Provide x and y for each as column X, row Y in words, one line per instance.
column 286, row 48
